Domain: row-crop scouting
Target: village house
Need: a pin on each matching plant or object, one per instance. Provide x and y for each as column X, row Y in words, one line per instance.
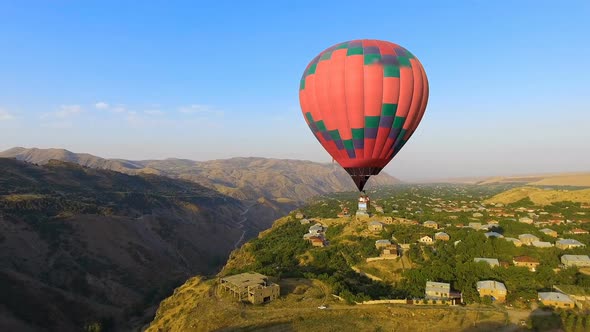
column 442, row 236
column 493, row 223
column 514, row 241
column 316, row 229
column 578, row 231
column 477, row 215
column 496, row 290
column 548, row 232
column 526, row 261
column 542, row 244
column 526, row 220
column 252, row 287
column 382, row 244
column 426, row 240
column 304, row 221
column 317, row 241
column 493, row 262
column 475, row 225
column 389, row 251
column 555, row 299
column 430, row 224
column 527, row 239
column 493, row 234
column 568, row 244
column 437, row 290
column 575, row 260
column 580, row 295
column 375, row 226
column 299, row 215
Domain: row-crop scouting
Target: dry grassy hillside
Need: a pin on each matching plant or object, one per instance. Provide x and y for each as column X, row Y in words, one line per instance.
column 199, row 306
column 241, row 178
column 567, row 179
column 541, row 196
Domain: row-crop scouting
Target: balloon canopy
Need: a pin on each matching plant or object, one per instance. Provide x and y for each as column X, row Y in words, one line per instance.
column 363, row 100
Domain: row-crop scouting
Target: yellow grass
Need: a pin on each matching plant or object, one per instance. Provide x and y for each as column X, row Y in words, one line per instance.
column 540, row 196
column 22, row 198
column 199, row 306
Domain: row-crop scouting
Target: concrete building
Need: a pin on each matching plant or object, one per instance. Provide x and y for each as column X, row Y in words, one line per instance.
column 304, row 221
column 316, row 229
column 492, row 288
column 555, row 299
column 426, row 240
column 575, row 260
column 493, row 234
column 526, row 220
column 382, row 244
column 514, row 241
column 442, row 236
column 475, row 225
column 578, row 231
column 568, row 244
column 526, row 261
column 389, row 251
column 493, row 262
column 430, row 224
column 375, row 226
column 364, row 204
column 527, row 239
column 549, row 232
column 542, row 244
column 317, row 241
column 252, row 287
column 438, row 290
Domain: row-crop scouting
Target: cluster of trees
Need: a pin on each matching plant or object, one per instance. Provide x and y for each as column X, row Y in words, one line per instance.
column 446, row 262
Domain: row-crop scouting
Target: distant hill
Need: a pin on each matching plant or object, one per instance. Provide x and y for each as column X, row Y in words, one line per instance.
column 80, row 245
column 541, row 196
column 580, row 179
column 241, row 178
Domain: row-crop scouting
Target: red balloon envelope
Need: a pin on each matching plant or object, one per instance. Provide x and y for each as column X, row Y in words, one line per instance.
column 363, row 100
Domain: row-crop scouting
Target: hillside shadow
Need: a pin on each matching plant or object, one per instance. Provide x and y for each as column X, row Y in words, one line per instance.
column 270, row 327
column 541, row 319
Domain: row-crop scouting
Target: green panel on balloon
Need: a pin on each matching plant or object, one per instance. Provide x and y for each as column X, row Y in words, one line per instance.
column 341, row 46
column 312, row 69
column 355, row 51
column 398, row 122
column 358, row 133
column 388, row 109
column 348, row 144
column 372, row 58
column 390, row 71
column 321, row 125
column 335, row 134
column 326, row 56
column 302, row 84
column 372, row 121
column 309, row 117
column 404, row 61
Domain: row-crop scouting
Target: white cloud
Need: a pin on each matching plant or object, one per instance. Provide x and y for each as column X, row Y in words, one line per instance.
column 153, row 112
column 65, row 111
column 5, row 116
column 102, row 105
column 119, row 109
column 68, row 110
column 199, row 109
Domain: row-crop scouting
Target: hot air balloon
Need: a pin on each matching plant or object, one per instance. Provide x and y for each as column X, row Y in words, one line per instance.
column 363, row 100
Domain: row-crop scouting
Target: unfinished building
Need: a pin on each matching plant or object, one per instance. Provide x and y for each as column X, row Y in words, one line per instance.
column 252, row 287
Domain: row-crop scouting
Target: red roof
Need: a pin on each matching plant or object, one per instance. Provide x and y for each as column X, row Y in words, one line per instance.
column 525, row 259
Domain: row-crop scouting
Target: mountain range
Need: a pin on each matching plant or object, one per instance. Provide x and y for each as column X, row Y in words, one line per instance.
column 86, row 240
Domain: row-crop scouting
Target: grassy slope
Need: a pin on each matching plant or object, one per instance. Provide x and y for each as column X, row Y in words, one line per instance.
column 540, row 196
column 197, row 306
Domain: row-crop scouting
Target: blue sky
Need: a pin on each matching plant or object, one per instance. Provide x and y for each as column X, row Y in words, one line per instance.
column 509, row 80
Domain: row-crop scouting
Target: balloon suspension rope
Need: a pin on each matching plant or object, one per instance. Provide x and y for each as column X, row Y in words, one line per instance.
column 360, row 175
